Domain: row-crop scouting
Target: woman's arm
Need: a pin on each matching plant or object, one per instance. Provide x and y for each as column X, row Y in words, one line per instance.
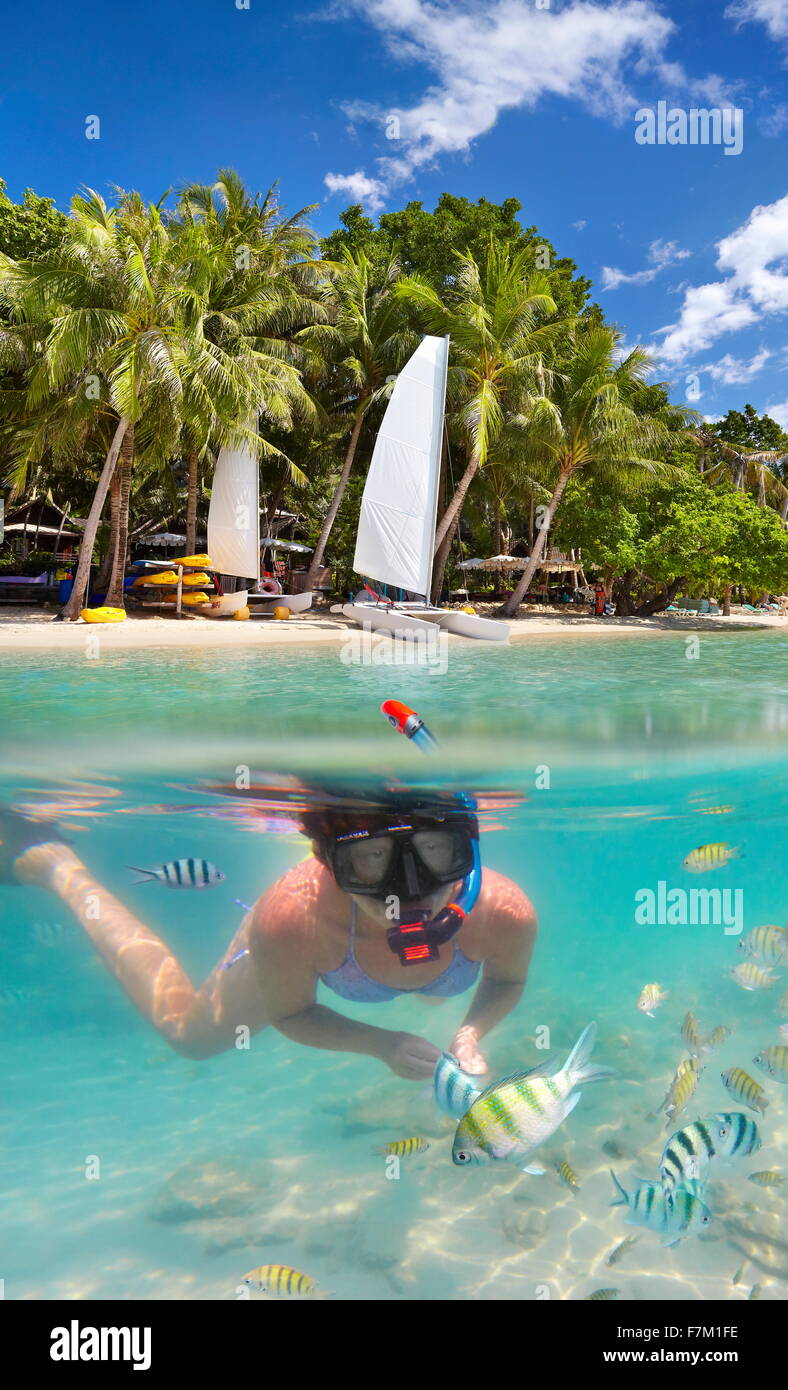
column 288, row 976
column 197, row 1022
column 509, row 934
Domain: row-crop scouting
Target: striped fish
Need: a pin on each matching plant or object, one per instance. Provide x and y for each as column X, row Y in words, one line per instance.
column 453, row 1089
column 706, row 857
column 568, row 1176
column 518, row 1113
column 715, row 1039
column 671, row 1218
column 766, row 945
column 281, row 1281
column 774, row 1061
column 768, row 1177
column 683, row 1087
column 689, row 1151
column 15, row 996
column 690, row 1033
column 748, row 975
column 621, row 1249
column 403, row 1148
column 181, row 873
column 745, row 1088
column 602, row 1295
column 651, row 996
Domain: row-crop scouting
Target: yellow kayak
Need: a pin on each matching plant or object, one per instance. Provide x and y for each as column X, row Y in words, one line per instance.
column 160, row 577
column 196, row 580
column 198, row 562
column 103, row 615
column 188, row 600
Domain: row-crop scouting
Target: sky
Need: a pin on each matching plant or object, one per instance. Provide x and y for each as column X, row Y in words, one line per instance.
column 554, row 102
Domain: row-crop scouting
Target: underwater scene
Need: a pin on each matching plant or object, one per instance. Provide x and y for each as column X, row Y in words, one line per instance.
column 596, row 1105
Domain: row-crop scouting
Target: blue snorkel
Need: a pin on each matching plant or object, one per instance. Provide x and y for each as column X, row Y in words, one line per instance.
column 415, row 938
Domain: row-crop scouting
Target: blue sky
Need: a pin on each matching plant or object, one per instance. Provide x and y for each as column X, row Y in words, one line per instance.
column 533, row 98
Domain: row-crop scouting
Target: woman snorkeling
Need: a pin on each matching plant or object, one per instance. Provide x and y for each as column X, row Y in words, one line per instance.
column 392, row 900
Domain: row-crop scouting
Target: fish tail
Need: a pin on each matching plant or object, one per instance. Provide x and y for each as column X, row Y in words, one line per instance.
column 145, row 875
column 621, row 1199
column 577, row 1065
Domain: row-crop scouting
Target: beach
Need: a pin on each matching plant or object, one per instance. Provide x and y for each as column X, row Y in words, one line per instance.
column 34, row 630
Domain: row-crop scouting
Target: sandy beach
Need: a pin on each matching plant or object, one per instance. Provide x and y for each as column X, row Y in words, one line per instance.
column 34, row 630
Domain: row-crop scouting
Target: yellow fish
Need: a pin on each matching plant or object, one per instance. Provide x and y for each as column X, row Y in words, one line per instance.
column 568, row 1176
column 651, row 996
column 766, row 945
column 774, row 1061
column 715, row 1039
column 717, row 810
column 747, row 1090
column 602, row 1295
column 682, row 1088
column 403, row 1148
column 706, row 857
column 621, row 1249
column 689, row 1032
column 281, row 1281
column 768, row 1177
column 751, row 976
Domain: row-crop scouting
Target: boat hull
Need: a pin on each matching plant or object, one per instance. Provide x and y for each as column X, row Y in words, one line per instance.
column 392, row 620
column 411, row 618
column 297, row 603
column 224, row 605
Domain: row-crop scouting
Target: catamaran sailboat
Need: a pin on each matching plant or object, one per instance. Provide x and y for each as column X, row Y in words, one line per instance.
column 399, row 508
column 234, row 535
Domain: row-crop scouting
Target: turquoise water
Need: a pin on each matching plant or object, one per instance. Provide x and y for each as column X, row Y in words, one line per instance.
column 612, row 752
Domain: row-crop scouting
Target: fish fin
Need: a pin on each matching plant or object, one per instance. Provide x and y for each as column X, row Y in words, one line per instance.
column 146, row 875
column 571, row 1102
column 577, row 1065
column 540, row 1070
column 622, row 1199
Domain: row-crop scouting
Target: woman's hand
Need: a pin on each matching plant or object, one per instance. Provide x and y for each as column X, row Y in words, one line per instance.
column 409, row 1056
column 465, row 1048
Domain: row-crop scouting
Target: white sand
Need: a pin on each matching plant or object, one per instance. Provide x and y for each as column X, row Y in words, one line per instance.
column 34, row 630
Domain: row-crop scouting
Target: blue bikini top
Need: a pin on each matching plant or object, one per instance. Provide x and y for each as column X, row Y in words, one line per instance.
column 351, row 982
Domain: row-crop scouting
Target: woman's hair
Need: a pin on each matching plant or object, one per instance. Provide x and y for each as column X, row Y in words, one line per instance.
column 328, row 822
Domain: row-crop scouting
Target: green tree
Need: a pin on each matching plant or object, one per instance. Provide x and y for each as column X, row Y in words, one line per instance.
column 587, row 421
column 748, row 430
column 30, row 229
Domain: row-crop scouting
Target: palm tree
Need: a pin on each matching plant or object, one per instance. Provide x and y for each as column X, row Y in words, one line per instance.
column 496, row 315
column 358, row 349
column 760, row 470
column 588, row 420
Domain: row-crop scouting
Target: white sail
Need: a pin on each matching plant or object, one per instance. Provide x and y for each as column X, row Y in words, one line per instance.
column 234, row 514
column 396, row 532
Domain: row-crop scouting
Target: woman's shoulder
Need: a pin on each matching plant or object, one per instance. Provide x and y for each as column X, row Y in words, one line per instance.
column 503, row 903
column 295, row 903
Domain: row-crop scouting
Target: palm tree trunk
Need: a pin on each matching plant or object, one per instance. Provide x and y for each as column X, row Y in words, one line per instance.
column 320, row 548
column 456, row 504
column 442, row 557
column 71, row 609
column 191, row 505
column 109, row 559
column 537, row 550
column 114, row 597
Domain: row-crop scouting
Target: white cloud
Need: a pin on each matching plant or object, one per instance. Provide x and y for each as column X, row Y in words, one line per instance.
column 660, row 253
column 772, row 13
column 359, row 188
column 780, row 414
column 775, row 123
column 734, row 371
column 756, row 258
column 579, row 226
column 490, row 56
